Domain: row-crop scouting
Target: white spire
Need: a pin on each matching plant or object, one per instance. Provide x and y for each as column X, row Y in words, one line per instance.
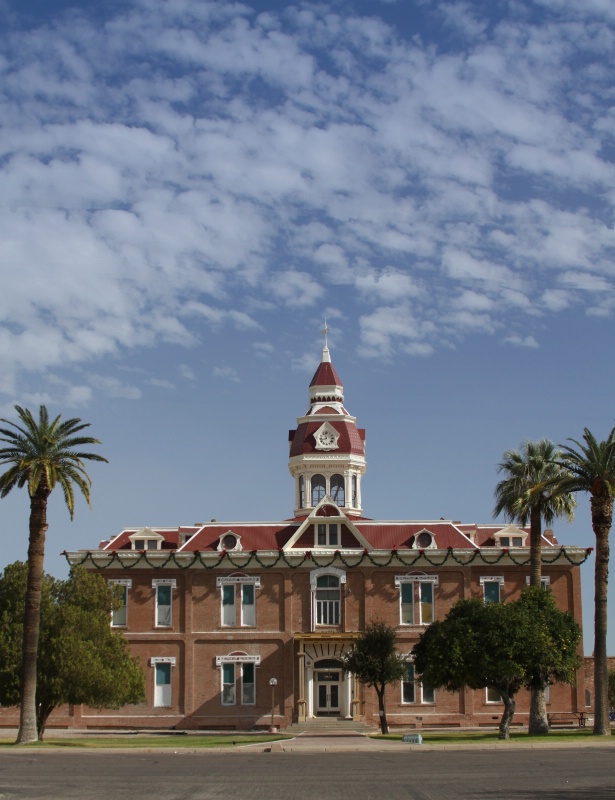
column 326, row 357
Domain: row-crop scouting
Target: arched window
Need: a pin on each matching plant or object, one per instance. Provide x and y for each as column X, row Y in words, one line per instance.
column 337, row 489
column 301, row 491
column 319, row 488
column 327, row 600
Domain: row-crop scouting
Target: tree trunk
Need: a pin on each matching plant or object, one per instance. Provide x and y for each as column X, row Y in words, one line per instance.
column 602, row 518
column 384, row 728
column 42, row 716
column 509, row 711
column 535, row 546
column 539, row 723
column 28, row 731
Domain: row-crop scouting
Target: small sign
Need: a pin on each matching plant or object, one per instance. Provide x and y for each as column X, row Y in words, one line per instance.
column 412, row 738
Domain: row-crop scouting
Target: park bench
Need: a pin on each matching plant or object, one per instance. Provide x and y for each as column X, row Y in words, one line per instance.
column 567, row 716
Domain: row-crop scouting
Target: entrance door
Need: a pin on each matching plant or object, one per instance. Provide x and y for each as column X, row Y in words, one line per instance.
column 328, row 692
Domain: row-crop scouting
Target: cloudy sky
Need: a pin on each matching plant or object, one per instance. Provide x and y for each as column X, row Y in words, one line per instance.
column 188, row 188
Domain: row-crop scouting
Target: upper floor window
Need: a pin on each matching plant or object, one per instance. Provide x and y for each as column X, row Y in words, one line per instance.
column 164, row 601
column 327, row 534
column 238, row 600
column 328, row 600
column 492, row 589
column 319, row 488
column 354, row 491
column 545, row 581
column 416, row 599
column 119, row 615
column 301, row 491
column 338, row 491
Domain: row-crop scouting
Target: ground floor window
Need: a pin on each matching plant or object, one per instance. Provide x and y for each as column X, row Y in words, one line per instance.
column 238, row 678
column 162, row 681
column 493, row 696
column 413, row 690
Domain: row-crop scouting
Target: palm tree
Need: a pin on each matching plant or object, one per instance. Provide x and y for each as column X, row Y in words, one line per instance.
column 591, row 468
column 526, row 494
column 41, row 454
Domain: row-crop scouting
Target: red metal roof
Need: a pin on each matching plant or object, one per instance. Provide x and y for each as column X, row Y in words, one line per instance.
column 326, row 375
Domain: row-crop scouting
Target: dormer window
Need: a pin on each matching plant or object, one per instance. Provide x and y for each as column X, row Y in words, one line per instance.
column 424, row 540
column 146, row 539
column 510, row 537
column 229, row 541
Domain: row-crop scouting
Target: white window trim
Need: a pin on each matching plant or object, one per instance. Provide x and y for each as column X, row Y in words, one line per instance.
column 327, row 544
column 432, row 544
column 416, row 607
column 492, row 579
column 238, row 581
column 236, row 547
column 127, row 584
column 154, row 660
column 156, row 582
column 492, row 702
column 545, row 580
column 419, row 699
column 241, row 658
column 314, row 575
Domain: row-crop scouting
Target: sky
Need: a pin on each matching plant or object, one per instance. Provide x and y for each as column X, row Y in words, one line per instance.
column 190, row 188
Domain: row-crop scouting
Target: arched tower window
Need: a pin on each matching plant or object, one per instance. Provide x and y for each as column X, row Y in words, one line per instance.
column 354, row 491
column 319, row 489
column 301, row 491
column 338, row 493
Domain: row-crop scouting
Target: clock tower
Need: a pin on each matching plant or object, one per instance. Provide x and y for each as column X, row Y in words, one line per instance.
column 327, row 450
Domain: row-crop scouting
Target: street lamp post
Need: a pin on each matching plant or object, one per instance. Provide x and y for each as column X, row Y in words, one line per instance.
column 273, row 682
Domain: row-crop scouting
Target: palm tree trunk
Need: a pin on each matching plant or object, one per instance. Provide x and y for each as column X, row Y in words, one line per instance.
column 602, row 518
column 538, row 722
column 28, row 731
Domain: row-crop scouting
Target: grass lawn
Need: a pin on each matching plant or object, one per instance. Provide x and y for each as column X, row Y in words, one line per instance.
column 155, row 741
column 481, row 737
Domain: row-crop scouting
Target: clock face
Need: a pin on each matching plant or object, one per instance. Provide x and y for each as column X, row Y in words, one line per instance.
column 326, row 439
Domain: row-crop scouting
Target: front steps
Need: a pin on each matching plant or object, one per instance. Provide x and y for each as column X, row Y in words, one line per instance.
column 324, row 726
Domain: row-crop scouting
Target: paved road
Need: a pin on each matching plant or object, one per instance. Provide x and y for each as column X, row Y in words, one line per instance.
column 585, row 774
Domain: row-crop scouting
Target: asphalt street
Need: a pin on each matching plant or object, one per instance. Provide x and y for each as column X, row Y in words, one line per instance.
column 516, row 774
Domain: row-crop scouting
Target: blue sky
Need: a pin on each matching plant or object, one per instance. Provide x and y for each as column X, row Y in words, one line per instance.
column 189, row 188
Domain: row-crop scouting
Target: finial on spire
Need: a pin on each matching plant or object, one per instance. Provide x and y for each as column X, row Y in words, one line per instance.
column 325, row 331
column 325, row 350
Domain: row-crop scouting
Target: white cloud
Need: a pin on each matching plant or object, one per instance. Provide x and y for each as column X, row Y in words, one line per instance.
column 227, row 373
column 295, row 288
column 162, row 170
column 522, row 341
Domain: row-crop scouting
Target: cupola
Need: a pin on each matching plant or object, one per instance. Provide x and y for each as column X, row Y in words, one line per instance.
column 327, row 450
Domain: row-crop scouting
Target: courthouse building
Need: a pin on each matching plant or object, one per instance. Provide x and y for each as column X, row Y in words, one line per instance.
column 220, row 611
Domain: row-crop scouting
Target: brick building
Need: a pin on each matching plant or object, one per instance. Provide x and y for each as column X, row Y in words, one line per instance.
column 216, row 611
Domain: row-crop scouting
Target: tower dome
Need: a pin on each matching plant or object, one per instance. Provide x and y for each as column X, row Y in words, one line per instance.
column 327, row 450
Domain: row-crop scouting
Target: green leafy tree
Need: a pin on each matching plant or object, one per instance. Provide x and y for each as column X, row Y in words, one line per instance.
column 375, row 661
column 501, row 646
column 525, row 494
column 41, row 455
column 81, row 659
column 590, row 467
column 611, row 688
